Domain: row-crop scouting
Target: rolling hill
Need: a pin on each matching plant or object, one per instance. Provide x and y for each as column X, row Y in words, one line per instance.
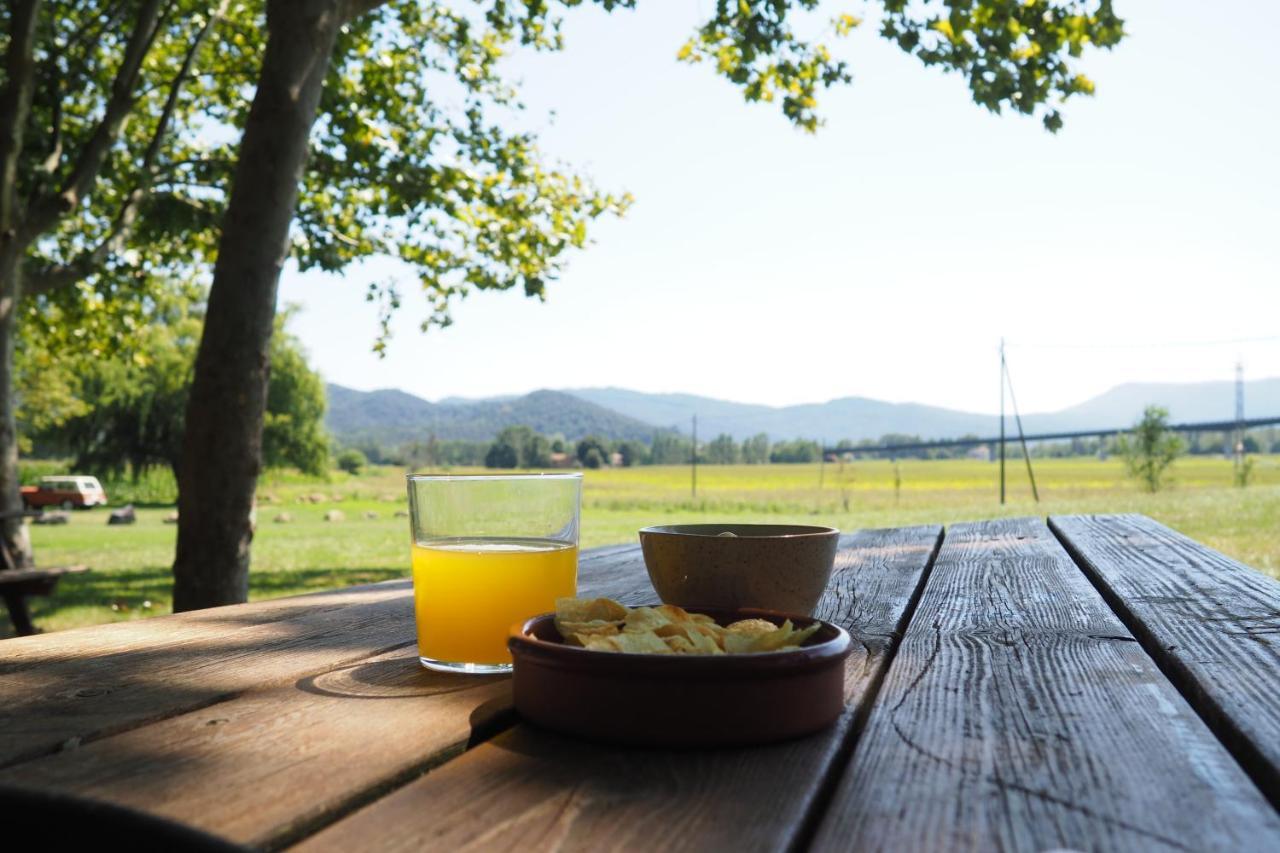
column 391, row 417
column 860, row 417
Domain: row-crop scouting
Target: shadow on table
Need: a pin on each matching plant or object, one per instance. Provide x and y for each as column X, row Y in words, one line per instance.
column 137, row 593
column 392, row 678
column 65, row 688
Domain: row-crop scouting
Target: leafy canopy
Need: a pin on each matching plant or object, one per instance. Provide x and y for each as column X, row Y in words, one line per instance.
column 1014, row 53
column 126, row 409
column 414, row 156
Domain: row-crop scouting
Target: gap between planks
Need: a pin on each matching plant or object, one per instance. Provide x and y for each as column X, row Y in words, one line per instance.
column 542, row 790
column 812, row 819
column 1198, row 695
column 150, row 766
column 99, row 682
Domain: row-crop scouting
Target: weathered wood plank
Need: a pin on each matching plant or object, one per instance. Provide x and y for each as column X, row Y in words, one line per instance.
column 1211, row 623
column 65, row 689
column 1020, row 714
column 274, row 763
column 531, row 789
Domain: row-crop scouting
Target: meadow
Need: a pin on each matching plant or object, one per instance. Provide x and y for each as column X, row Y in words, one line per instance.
column 130, row 564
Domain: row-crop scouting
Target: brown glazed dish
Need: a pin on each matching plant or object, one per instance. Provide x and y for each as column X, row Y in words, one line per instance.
column 680, row 700
column 783, row 567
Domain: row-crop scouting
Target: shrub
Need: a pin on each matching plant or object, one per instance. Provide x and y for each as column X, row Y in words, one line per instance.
column 352, row 461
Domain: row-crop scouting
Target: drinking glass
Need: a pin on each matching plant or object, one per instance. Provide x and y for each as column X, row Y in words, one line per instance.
column 489, row 551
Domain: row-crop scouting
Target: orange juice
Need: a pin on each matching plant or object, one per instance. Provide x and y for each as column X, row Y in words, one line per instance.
column 469, row 592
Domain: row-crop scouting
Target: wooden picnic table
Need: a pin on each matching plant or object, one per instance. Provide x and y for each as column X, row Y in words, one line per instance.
column 1089, row 683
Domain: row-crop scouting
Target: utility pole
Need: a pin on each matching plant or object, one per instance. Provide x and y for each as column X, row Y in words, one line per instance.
column 1022, row 436
column 822, row 462
column 1237, row 442
column 1002, row 421
column 694, row 456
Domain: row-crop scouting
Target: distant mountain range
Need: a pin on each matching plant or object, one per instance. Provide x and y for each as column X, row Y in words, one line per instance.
column 392, row 417
column 860, row 417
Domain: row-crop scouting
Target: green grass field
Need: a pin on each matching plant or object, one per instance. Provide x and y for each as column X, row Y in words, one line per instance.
column 130, row 576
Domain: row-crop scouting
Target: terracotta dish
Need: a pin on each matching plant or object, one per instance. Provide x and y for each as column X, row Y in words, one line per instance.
column 782, row 567
column 680, row 700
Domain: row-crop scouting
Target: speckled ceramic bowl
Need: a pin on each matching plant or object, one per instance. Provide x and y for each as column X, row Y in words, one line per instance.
column 781, row 567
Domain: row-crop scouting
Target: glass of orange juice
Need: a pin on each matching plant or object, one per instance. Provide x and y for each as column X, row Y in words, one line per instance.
column 489, row 551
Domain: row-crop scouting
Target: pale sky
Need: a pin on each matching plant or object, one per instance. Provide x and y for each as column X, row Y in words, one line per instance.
column 885, row 256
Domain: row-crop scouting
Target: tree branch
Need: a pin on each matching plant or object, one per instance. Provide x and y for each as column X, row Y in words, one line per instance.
column 54, row 157
column 40, row 282
column 15, row 105
column 53, row 278
column 45, row 212
column 90, row 35
column 353, row 9
column 129, row 211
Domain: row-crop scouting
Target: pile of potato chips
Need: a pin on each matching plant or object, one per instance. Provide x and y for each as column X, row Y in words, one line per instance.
column 604, row 625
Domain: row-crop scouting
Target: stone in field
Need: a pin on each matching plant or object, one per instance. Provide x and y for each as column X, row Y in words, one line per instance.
column 370, row 514
column 49, row 517
column 283, row 518
column 124, row 515
column 171, row 518
column 335, row 515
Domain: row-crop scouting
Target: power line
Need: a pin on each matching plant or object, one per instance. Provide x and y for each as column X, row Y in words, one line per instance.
column 1204, row 426
column 1147, row 345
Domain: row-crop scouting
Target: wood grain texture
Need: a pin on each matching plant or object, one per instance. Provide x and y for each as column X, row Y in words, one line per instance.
column 269, row 764
column 66, row 689
column 534, row 790
column 1020, row 714
column 1212, row 624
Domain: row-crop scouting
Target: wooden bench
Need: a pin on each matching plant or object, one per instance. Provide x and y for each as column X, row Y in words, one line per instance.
column 17, row 584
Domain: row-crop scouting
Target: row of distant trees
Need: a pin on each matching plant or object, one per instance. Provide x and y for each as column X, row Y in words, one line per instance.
column 124, row 412
column 523, row 447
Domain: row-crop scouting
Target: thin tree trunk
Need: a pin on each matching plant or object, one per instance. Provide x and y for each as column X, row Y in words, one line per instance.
column 222, row 448
column 15, row 105
column 14, row 531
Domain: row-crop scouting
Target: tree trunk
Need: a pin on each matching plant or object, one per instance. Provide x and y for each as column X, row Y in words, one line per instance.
column 13, row 530
column 222, row 448
column 15, row 106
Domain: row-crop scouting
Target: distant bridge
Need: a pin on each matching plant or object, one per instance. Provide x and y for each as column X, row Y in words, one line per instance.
column 1204, row 426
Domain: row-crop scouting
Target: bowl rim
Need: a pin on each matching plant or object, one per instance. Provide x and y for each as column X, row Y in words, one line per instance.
column 677, row 666
column 524, row 475
column 802, row 531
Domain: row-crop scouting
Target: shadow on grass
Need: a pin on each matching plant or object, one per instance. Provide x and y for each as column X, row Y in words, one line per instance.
column 108, row 596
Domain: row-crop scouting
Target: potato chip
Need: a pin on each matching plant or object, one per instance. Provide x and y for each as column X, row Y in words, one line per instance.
column 646, row 619
column 783, row 636
column 577, row 618
column 751, row 626
column 679, row 614
column 705, row 640
column 589, row 610
column 638, row 643
column 679, row 644
column 575, row 633
column 599, row 624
